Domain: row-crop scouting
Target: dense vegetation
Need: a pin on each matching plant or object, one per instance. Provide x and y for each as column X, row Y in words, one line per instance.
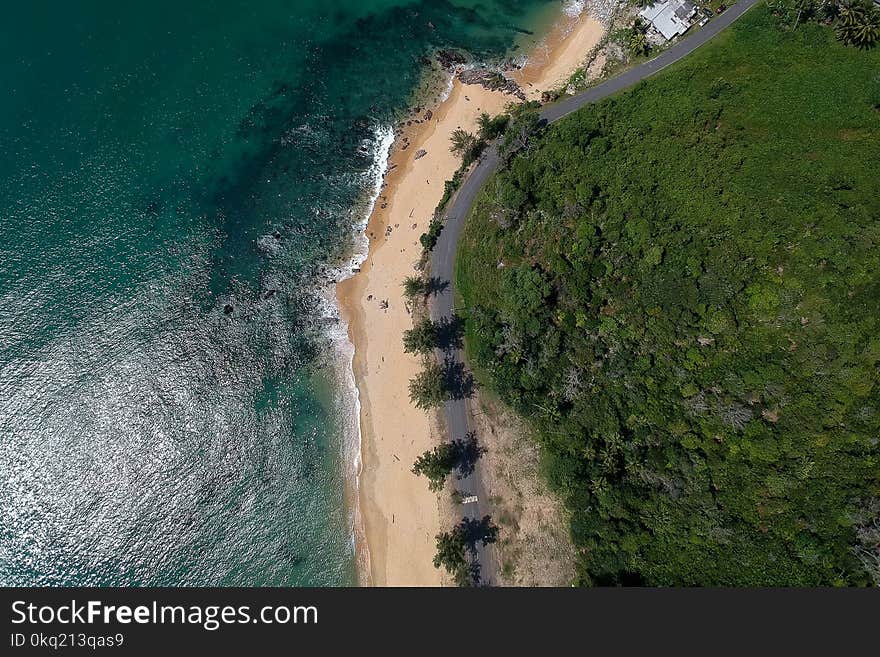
column 680, row 287
column 856, row 22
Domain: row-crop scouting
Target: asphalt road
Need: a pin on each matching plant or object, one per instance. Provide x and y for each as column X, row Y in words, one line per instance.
column 443, row 256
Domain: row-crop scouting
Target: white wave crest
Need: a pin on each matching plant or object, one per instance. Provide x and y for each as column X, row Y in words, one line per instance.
column 349, row 406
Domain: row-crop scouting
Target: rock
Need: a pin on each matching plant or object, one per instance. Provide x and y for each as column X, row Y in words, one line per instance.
column 228, row 308
column 420, row 153
column 450, row 58
column 603, row 10
column 491, row 80
column 429, row 115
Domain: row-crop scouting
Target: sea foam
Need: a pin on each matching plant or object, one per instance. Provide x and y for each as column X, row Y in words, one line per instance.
column 349, row 405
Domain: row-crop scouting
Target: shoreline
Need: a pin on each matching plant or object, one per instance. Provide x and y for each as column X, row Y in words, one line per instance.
column 396, row 516
column 559, row 54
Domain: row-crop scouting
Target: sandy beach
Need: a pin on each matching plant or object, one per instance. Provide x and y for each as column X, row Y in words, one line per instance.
column 560, row 54
column 400, row 516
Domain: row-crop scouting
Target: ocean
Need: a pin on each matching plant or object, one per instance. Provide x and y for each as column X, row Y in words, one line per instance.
column 180, row 182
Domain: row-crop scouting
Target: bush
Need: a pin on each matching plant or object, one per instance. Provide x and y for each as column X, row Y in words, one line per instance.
column 429, row 240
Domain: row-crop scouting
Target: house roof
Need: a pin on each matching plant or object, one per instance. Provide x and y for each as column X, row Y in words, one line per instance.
column 669, row 18
column 684, row 11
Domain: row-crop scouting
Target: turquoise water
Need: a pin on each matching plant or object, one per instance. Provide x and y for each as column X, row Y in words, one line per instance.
column 175, row 178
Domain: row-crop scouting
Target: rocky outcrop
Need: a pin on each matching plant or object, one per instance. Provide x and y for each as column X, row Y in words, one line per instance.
column 603, row 10
column 449, row 59
column 491, row 80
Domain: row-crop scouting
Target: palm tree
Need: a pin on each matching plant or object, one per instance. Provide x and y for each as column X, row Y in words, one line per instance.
column 638, row 38
column 638, row 44
column 849, row 11
column 414, row 286
column 462, row 141
column 858, row 24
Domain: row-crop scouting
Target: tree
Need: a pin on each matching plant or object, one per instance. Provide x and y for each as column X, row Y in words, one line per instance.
column 457, row 550
column 638, row 38
column 452, row 555
column 829, row 10
column 429, row 240
column 672, row 379
column 428, row 388
column 439, row 383
column 421, row 338
column 858, row 24
column 414, row 286
column 462, row 142
column 867, row 547
column 492, row 128
column 436, row 464
column 523, row 128
column 428, row 335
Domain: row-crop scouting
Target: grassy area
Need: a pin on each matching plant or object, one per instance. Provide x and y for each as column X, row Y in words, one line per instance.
column 680, row 288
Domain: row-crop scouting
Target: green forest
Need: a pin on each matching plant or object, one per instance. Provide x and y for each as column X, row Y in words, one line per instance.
column 679, row 287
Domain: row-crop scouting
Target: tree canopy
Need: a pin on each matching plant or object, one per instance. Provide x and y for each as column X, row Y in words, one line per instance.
column 679, row 287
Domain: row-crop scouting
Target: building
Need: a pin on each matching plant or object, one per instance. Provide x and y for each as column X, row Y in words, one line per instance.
column 670, row 18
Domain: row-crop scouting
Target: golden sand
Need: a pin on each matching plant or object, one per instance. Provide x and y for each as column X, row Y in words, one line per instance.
column 400, row 516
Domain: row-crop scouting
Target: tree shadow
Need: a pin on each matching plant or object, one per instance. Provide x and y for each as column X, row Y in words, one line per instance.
column 450, row 333
column 435, row 286
column 471, row 532
column 474, row 573
column 457, row 380
column 467, row 453
column 475, row 531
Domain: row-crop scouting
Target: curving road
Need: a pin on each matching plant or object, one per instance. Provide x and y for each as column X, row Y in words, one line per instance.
column 443, row 256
